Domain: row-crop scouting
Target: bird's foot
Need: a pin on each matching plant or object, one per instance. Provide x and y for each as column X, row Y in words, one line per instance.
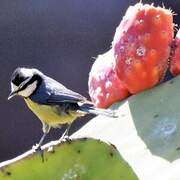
column 37, row 148
column 65, row 139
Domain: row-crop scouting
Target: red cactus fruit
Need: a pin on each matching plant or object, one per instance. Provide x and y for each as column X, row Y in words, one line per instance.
column 175, row 58
column 104, row 86
column 142, row 46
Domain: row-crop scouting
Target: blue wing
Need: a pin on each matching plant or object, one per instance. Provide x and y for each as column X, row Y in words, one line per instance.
column 52, row 92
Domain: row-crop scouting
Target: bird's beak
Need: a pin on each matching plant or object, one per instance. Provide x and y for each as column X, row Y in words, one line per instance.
column 12, row 94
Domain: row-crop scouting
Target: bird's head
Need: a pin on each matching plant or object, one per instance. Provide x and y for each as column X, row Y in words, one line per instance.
column 24, row 82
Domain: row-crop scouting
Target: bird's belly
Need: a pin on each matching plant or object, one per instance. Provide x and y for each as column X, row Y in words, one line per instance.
column 51, row 115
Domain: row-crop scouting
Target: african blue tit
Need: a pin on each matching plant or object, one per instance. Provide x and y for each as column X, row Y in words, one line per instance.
column 50, row 101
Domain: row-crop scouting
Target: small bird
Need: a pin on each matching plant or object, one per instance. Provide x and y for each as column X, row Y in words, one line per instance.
column 50, row 101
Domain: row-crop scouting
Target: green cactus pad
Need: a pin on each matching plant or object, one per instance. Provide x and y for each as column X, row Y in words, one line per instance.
column 82, row 159
column 147, row 131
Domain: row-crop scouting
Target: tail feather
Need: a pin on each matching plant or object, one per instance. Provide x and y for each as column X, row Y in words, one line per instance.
column 97, row 111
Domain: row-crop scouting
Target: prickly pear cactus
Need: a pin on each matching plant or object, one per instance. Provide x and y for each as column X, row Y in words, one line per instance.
column 147, row 132
column 82, row 159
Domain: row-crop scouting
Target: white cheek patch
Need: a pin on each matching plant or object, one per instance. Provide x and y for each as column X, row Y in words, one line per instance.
column 28, row 90
column 13, row 87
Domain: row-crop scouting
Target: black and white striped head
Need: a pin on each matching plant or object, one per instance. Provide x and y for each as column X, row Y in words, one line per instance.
column 24, row 82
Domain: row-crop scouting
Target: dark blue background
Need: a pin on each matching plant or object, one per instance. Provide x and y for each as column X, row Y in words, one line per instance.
column 59, row 37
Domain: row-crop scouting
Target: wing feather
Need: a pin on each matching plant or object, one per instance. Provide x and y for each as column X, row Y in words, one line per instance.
column 52, row 92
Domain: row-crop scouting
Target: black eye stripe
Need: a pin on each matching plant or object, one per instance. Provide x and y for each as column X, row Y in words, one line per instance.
column 18, row 79
column 25, row 85
column 33, row 79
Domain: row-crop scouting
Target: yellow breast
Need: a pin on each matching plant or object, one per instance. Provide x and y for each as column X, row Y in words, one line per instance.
column 51, row 115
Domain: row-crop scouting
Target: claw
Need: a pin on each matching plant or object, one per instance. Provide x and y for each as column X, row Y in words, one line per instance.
column 37, row 148
column 68, row 139
column 65, row 139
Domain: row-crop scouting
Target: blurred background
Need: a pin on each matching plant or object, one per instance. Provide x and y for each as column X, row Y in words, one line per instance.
column 60, row 38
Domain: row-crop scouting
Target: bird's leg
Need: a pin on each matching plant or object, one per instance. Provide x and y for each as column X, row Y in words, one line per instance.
column 41, row 140
column 37, row 147
column 46, row 129
column 65, row 136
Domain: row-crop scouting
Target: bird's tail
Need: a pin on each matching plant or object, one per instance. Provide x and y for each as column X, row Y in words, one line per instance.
column 90, row 109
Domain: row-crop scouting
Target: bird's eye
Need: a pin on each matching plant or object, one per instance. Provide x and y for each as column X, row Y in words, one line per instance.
column 17, row 80
column 21, row 85
column 24, row 82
